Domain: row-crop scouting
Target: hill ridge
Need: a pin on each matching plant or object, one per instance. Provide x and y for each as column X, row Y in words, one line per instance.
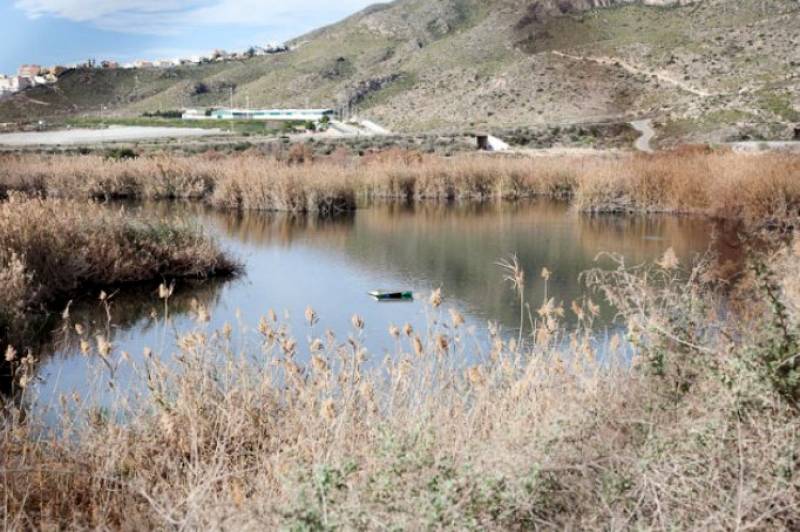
column 708, row 69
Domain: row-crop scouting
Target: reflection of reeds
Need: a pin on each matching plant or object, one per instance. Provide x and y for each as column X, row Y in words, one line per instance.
column 757, row 188
column 552, row 433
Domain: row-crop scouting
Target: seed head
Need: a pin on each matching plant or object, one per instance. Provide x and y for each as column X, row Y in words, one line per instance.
column 577, row 310
column 319, row 364
column 264, row 327
column 436, row 298
column 289, row 346
column 202, row 314
column 442, row 343
column 164, row 291
column 311, row 316
column 418, row 348
column 328, row 410
column 669, row 261
column 358, row 322
column 103, row 346
column 85, row 346
column 456, row 318
column 475, row 376
column 11, row 354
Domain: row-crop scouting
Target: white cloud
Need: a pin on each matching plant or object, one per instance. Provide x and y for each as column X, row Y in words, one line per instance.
column 93, row 10
column 174, row 16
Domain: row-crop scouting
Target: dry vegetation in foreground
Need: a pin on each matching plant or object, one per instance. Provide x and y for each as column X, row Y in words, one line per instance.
column 51, row 249
column 700, row 431
column 757, row 188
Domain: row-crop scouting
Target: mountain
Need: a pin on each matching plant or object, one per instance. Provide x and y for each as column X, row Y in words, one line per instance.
column 705, row 69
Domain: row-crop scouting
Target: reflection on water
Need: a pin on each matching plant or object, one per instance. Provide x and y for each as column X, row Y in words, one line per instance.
column 330, row 264
column 457, row 247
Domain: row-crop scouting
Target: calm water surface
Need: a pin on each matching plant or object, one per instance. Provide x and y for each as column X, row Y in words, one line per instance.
column 295, row 262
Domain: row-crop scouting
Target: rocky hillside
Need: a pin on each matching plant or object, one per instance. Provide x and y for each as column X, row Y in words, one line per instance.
column 708, row 69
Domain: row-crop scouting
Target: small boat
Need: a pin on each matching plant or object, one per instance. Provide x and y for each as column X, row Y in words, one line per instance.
column 382, row 295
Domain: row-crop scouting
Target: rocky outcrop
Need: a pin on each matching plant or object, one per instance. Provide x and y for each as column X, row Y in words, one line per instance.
column 541, row 8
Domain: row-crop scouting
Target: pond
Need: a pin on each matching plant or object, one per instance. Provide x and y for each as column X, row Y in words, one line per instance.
column 293, row 262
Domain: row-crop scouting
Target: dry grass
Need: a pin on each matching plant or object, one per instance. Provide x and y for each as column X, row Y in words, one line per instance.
column 700, row 431
column 756, row 188
column 51, row 249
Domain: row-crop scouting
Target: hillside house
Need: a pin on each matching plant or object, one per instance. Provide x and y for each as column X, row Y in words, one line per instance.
column 139, row 63
column 220, row 55
column 19, row 83
column 111, row 65
column 29, row 71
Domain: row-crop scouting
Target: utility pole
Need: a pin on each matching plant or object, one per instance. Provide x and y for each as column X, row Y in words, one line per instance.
column 231, row 97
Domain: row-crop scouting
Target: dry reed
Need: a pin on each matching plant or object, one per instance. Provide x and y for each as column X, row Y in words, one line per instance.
column 755, row 188
column 697, row 433
column 51, row 249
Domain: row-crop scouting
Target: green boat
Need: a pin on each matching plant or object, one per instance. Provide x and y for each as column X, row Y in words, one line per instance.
column 382, row 295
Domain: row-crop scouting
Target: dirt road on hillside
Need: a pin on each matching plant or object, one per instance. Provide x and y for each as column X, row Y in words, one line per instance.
column 661, row 76
column 645, row 128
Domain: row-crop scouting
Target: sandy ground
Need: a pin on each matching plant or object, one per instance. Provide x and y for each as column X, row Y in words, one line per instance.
column 95, row 136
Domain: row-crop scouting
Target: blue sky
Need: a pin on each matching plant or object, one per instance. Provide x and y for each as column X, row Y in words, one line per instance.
column 48, row 32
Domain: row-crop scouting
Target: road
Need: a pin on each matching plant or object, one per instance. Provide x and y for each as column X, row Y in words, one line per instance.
column 357, row 128
column 99, row 136
column 645, row 128
column 346, row 130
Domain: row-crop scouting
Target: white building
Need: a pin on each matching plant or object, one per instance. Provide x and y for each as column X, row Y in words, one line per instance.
column 5, row 85
column 195, row 114
column 19, row 83
column 279, row 115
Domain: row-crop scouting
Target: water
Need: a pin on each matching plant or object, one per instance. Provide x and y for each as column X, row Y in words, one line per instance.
column 295, row 262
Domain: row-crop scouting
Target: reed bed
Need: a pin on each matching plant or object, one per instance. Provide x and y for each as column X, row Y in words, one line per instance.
column 756, row 188
column 51, row 249
column 699, row 431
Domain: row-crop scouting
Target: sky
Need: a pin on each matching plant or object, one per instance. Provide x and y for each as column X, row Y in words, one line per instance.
column 49, row 32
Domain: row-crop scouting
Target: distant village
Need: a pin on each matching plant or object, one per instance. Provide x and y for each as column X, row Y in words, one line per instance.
column 32, row 75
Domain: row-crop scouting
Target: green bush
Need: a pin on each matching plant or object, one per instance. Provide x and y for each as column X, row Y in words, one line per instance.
column 119, row 154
